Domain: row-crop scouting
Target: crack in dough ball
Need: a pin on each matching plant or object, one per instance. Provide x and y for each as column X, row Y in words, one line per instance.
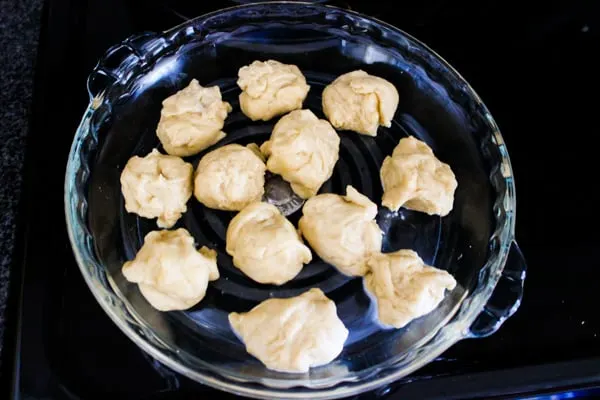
column 414, row 178
column 270, row 88
column 360, row 102
column 191, row 120
column 171, row 274
column 404, row 287
column 265, row 245
column 157, row 186
column 294, row 334
column 230, row 177
column 342, row 230
column 303, row 149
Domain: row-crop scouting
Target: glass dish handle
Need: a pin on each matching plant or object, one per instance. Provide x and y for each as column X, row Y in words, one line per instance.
column 118, row 62
column 506, row 298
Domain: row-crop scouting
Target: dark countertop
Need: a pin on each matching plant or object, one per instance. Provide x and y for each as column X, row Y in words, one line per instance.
column 19, row 31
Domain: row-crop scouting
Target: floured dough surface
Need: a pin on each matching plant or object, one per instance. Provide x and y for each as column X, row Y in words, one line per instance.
column 294, row 334
column 191, row 120
column 414, row 178
column 265, row 245
column 342, row 229
column 270, row 88
column 157, row 186
column 171, row 274
column 360, row 102
column 404, row 287
column 230, row 177
column 303, row 149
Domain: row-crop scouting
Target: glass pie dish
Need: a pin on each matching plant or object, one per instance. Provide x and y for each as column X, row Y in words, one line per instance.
column 475, row 242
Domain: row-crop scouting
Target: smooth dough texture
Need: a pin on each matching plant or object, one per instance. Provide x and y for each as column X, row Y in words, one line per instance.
column 191, row 120
column 157, row 186
column 303, row 149
column 360, row 102
column 342, row 229
column 265, row 245
column 230, row 178
column 294, row 334
column 404, row 287
column 270, row 88
column 414, row 178
column 171, row 274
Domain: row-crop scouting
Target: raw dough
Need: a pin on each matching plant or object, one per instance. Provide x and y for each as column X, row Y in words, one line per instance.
column 265, row 245
column 191, row 120
column 404, row 287
column 342, row 229
column 414, row 178
column 170, row 272
column 270, row 88
column 230, row 178
column 360, row 102
column 303, row 149
column 294, row 334
column 157, row 186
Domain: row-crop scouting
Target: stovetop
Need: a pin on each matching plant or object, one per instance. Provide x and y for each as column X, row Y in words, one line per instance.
column 533, row 69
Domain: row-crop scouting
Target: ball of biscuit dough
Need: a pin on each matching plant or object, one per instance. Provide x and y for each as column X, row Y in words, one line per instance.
column 412, row 177
column 192, row 119
column 270, row 88
column 157, row 186
column 230, row 177
column 303, row 149
column 342, row 229
column 404, row 287
column 265, row 245
column 294, row 334
column 171, row 274
column 360, row 102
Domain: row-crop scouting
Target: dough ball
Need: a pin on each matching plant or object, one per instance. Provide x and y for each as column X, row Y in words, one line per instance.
column 157, row 186
column 414, row 178
column 342, row 229
column 230, row 178
column 294, row 334
column 404, row 287
column 360, row 102
column 265, row 245
column 171, row 274
column 191, row 120
column 303, row 150
column 270, row 88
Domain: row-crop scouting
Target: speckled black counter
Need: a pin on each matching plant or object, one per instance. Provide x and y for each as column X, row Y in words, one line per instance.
column 19, row 31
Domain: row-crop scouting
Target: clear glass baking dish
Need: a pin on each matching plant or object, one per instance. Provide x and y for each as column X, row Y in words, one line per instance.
column 475, row 242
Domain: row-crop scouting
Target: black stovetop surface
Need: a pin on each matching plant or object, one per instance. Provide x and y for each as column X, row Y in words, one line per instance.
column 535, row 71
